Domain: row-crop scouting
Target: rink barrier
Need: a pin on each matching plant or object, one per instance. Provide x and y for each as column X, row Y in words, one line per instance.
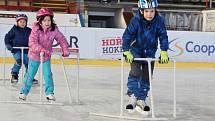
column 56, row 51
column 116, row 63
column 121, row 116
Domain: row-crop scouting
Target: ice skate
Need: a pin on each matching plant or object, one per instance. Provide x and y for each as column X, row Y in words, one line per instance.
column 14, row 79
column 50, row 97
column 142, row 107
column 22, row 96
column 35, row 81
column 132, row 103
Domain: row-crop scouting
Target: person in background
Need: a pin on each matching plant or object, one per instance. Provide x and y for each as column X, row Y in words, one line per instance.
column 18, row 37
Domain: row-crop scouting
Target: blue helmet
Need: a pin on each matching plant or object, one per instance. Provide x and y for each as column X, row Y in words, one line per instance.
column 21, row 16
column 144, row 4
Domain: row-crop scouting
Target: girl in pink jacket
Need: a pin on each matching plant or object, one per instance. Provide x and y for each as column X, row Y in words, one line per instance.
column 42, row 36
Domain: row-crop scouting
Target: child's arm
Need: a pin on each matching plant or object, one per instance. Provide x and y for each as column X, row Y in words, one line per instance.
column 129, row 34
column 8, row 37
column 164, row 45
column 60, row 38
column 163, row 38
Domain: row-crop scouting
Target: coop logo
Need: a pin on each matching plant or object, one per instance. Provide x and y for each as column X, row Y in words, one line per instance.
column 175, row 47
column 192, row 47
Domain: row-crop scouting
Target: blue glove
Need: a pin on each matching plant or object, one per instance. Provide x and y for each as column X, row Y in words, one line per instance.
column 9, row 47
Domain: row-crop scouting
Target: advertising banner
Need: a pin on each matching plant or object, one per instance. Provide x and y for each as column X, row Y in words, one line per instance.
column 105, row 43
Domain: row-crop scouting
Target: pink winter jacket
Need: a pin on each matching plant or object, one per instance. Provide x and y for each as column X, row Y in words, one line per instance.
column 40, row 40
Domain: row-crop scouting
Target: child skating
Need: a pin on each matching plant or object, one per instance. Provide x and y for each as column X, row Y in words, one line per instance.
column 140, row 40
column 42, row 36
column 18, row 37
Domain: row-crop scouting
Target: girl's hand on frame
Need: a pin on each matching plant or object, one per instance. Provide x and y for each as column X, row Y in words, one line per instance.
column 66, row 52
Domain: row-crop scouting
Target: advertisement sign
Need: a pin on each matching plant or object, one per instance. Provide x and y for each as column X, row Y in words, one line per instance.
column 109, row 43
column 105, row 43
column 192, row 46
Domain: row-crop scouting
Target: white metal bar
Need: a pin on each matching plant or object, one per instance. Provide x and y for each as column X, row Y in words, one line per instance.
column 20, row 47
column 146, row 59
column 129, row 118
column 77, row 86
column 150, row 85
column 22, row 60
column 29, row 102
column 174, row 89
column 41, row 75
column 67, row 82
column 122, row 85
column 4, row 61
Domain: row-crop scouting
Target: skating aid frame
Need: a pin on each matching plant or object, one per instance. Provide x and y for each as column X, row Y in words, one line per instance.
column 148, row 60
column 57, row 51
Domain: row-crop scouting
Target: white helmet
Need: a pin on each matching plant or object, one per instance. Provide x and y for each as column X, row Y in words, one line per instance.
column 144, row 4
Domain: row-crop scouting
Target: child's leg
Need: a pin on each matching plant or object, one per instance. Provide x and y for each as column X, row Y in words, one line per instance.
column 47, row 74
column 18, row 62
column 25, row 60
column 133, row 79
column 144, row 82
column 29, row 76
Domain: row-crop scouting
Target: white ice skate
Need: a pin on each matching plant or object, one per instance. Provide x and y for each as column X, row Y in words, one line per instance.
column 22, row 96
column 132, row 104
column 142, row 107
column 50, row 97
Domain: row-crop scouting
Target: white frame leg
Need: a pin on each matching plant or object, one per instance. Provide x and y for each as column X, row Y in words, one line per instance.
column 76, row 52
column 4, row 62
column 77, row 86
column 67, row 82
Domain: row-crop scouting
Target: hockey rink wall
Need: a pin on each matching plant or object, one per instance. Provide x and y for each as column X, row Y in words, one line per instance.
column 105, row 43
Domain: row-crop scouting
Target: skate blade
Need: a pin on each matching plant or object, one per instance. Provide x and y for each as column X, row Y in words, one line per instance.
column 141, row 111
column 130, row 111
column 50, row 101
column 14, row 84
column 35, row 85
column 21, row 99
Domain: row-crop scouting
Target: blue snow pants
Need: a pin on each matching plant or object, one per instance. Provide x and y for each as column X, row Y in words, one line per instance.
column 18, row 62
column 31, row 72
column 138, row 80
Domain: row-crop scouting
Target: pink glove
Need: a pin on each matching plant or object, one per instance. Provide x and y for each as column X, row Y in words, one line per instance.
column 66, row 52
column 46, row 52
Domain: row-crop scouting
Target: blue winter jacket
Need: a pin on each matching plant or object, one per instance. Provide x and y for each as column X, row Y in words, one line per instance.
column 17, row 37
column 141, row 36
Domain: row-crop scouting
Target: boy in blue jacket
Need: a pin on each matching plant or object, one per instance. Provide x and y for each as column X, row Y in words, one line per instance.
column 18, row 37
column 140, row 40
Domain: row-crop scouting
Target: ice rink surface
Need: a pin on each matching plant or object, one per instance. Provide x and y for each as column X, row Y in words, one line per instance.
column 100, row 93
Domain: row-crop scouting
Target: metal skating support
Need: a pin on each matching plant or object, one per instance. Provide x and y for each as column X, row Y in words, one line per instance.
column 148, row 60
column 73, row 51
column 56, row 50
